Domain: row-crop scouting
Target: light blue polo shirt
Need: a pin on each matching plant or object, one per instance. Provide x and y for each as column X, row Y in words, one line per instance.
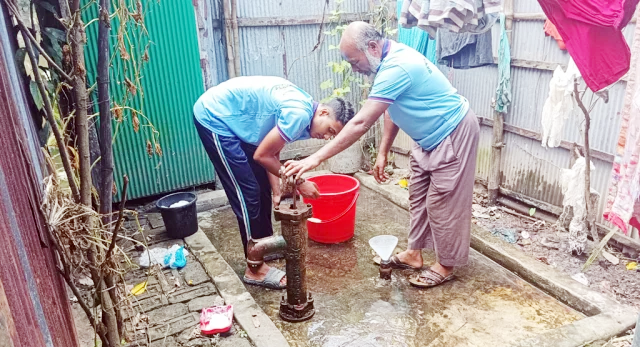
column 422, row 101
column 249, row 107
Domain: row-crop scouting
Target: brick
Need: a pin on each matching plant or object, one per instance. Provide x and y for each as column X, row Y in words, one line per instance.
column 166, row 313
column 174, row 326
column 197, row 304
column 190, row 293
column 150, row 303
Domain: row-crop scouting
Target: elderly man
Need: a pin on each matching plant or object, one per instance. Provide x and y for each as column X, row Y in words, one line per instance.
column 420, row 101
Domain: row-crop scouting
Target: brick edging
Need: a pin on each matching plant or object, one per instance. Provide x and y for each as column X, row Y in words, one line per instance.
column 232, row 290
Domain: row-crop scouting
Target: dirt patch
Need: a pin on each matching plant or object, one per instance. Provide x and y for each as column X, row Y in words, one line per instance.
column 536, row 239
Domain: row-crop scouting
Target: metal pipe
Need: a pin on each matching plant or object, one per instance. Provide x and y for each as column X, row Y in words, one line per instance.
column 257, row 249
column 298, row 304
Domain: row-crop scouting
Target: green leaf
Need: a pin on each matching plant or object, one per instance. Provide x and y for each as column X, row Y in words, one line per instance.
column 58, row 34
column 35, row 93
column 326, row 84
column 532, row 211
column 332, row 47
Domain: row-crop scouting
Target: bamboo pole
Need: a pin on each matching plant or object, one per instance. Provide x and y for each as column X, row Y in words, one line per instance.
column 495, row 171
column 229, row 39
column 236, row 36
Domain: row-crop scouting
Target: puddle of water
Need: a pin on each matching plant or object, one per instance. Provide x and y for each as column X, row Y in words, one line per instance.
column 487, row 305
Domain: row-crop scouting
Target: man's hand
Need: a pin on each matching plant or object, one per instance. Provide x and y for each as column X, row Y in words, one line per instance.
column 309, row 190
column 276, row 199
column 295, row 167
column 378, row 169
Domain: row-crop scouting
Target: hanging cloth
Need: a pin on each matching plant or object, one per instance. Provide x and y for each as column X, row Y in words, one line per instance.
column 600, row 52
column 503, row 92
column 559, row 105
column 454, row 15
column 622, row 201
column 550, row 30
column 416, row 38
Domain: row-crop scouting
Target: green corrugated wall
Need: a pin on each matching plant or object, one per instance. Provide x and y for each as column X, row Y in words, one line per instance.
column 172, row 82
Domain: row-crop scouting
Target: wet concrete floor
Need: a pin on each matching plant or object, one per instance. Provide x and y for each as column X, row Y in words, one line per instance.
column 485, row 306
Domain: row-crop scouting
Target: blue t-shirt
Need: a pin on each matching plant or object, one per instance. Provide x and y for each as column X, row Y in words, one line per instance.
column 422, row 101
column 249, row 107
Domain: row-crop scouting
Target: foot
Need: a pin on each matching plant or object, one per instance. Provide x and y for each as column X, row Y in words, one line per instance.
column 412, row 257
column 260, row 273
column 444, row 271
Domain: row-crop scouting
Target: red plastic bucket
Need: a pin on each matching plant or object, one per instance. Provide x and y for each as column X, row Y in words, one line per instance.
column 336, row 208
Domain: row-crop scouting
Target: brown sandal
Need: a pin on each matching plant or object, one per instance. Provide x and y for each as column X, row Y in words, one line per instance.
column 396, row 263
column 429, row 278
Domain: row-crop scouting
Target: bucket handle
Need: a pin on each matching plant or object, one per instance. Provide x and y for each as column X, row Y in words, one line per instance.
column 353, row 203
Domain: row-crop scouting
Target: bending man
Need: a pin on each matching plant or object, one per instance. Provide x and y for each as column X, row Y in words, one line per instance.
column 243, row 124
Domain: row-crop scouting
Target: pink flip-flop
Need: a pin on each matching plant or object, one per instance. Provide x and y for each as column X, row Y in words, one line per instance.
column 216, row 319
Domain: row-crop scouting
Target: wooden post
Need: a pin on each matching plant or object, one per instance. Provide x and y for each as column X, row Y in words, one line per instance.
column 495, row 170
column 229, row 39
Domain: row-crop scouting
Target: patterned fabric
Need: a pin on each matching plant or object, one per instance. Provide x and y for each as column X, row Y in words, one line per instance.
column 454, row 15
column 624, row 188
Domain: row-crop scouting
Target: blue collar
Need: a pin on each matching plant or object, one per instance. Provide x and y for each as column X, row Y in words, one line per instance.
column 313, row 114
column 386, row 47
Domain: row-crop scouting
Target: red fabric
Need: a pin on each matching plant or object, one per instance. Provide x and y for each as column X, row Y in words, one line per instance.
column 600, row 52
column 609, row 13
column 551, row 30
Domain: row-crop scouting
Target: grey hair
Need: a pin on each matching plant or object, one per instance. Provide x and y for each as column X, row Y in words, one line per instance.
column 367, row 34
column 342, row 109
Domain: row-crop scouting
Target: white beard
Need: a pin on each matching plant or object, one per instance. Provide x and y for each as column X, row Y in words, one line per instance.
column 374, row 63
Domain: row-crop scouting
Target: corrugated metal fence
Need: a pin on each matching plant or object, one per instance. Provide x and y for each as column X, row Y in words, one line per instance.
column 527, row 167
column 285, row 38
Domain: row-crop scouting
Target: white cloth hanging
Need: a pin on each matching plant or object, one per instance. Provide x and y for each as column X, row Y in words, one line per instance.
column 559, row 105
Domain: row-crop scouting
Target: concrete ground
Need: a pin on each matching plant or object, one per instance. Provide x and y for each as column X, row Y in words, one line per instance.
column 486, row 306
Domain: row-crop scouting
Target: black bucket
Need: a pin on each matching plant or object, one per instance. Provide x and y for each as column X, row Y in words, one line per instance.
column 180, row 221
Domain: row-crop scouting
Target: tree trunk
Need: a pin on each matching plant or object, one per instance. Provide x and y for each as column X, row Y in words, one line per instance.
column 77, row 38
column 106, row 158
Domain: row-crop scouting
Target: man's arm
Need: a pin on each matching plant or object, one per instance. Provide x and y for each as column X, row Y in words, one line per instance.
column 268, row 152
column 351, row 132
column 268, row 155
column 389, row 134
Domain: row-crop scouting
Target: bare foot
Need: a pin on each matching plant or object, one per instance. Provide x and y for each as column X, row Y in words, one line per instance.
column 411, row 257
column 442, row 270
column 260, row 273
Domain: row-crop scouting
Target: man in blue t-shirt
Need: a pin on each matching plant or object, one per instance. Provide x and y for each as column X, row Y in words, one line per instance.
column 243, row 124
column 420, row 101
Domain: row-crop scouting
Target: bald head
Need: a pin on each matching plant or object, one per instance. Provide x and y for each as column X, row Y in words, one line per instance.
column 361, row 45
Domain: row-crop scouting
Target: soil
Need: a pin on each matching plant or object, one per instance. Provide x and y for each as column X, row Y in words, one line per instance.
column 615, row 281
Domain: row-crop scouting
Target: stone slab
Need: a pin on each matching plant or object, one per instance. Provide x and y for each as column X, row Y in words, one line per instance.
column 174, row 326
column 194, row 272
column 211, row 200
column 170, row 341
column 197, row 304
column 232, row 290
column 155, row 220
column 189, row 293
column 166, row 313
